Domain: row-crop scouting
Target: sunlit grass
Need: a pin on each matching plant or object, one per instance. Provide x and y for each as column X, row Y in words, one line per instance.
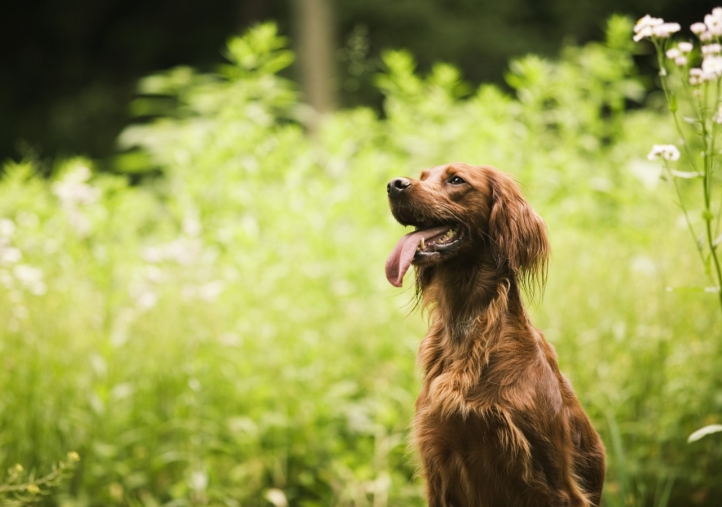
column 225, row 335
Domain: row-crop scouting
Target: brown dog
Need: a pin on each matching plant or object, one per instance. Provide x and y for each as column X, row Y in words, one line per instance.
column 497, row 424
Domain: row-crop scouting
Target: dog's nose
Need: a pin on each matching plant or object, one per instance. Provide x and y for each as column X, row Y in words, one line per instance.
column 397, row 185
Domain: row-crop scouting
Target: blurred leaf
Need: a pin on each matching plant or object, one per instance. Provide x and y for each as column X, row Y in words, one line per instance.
column 685, row 174
column 703, row 432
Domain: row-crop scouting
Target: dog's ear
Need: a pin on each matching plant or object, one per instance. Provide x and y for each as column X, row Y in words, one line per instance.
column 518, row 235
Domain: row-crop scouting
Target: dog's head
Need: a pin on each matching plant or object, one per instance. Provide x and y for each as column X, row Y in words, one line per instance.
column 462, row 212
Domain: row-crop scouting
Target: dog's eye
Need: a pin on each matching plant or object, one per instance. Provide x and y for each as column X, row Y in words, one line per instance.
column 455, row 180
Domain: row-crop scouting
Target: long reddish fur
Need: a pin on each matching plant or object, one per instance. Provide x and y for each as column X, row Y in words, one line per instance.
column 497, row 424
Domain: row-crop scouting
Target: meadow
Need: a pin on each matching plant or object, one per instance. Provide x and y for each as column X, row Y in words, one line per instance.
column 222, row 333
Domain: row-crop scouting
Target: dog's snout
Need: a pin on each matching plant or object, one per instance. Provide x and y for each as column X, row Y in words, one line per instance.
column 397, row 185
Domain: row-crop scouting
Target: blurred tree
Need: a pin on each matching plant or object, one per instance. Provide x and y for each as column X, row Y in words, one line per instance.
column 316, row 53
column 69, row 67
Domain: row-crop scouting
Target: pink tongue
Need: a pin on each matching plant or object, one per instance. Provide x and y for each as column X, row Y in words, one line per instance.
column 403, row 253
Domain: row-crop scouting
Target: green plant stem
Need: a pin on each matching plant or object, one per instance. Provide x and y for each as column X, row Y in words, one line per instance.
column 708, row 140
column 671, row 100
column 708, row 216
column 669, row 95
column 46, row 480
column 684, row 211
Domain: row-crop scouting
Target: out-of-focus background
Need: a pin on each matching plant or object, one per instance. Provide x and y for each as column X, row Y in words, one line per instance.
column 193, row 228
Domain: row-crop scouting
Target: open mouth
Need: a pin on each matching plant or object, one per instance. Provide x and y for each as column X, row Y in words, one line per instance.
column 419, row 245
column 437, row 242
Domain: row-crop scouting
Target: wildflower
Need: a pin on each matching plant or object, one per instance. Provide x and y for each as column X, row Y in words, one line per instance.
column 714, row 21
column 644, row 26
column 10, row 255
column 665, row 151
column 182, row 250
column 699, row 76
column 192, row 227
column 665, row 30
column 685, row 47
column 706, row 36
column 7, row 227
column 154, row 274
column 198, row 480
column 673, row 53
column 33, row 489
column 153, row 254
column 711, row 49
column 72, row 192
column 73, row 456
column 31, row 277
column 712, row 65
column 210, row 291
column 146, row 300
column 681, row 60
column 698, row 28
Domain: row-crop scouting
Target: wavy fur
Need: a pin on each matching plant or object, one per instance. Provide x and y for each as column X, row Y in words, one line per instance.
column 496, row 424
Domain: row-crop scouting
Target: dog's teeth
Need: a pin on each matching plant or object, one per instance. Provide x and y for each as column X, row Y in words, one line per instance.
column 422, row 246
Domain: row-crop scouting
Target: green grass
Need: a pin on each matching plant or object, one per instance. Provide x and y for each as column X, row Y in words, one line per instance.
column 224, row 334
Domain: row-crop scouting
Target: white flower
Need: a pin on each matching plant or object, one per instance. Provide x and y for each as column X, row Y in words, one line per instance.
column 10, row 255
column 198, row 481
column 71, row 193
column 698, row 76
column 673, row 53
column 27, row 274
column 698, row 28
column 681, row 61
column 7, row 227
column 154, row 274
column 647, row 21
column 192, row 227
column 665, row 151
column 146, row 300
column 31, row 277
column 712, row 65
column 714, row 22
column 665, row 29
column 153, row 254
column 705, row 36
column 685, row 47
column 210, row 291
column 182, row 250
column 644, row 27
column 711, row 49
column 642, row 34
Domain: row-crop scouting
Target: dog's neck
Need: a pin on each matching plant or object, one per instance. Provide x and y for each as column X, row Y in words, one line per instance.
column 471, row 295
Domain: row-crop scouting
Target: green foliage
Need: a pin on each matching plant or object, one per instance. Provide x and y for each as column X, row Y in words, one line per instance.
column 224, row 335
column 20, row 488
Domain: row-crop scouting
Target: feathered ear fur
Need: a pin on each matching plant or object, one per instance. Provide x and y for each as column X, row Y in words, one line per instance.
column 518, row 234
